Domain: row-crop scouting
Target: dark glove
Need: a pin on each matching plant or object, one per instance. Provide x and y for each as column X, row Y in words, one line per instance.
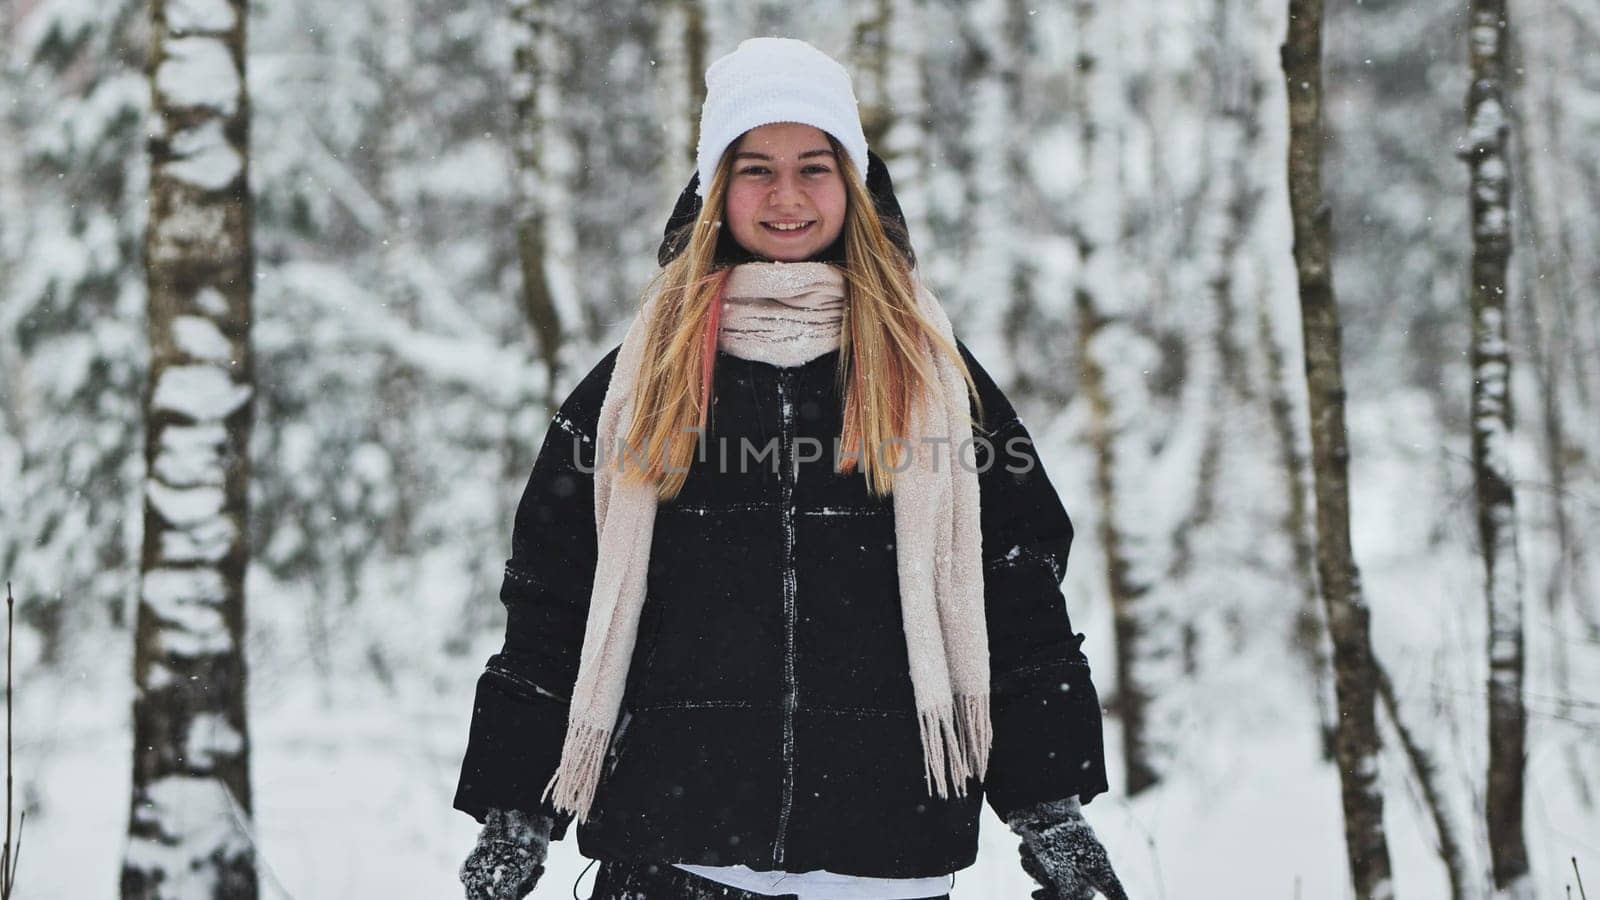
column 1061, row 853
column 509, row 857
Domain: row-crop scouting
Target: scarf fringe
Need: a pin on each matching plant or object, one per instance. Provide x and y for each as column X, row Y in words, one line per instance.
column 583, row 752
column 955, row 737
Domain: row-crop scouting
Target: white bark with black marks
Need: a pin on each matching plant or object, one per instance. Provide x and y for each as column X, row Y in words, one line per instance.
column 1355, row 672
column 1149, row 370
column 534, row 43
column 1490, row 194
column 189, row 832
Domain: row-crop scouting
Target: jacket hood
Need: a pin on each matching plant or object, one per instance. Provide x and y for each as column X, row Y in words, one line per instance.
column 675, row 236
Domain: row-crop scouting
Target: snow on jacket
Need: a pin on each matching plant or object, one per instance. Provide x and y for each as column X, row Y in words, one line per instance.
column 768, row 718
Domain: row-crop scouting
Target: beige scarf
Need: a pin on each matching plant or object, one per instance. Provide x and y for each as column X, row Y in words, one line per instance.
column 787, row 314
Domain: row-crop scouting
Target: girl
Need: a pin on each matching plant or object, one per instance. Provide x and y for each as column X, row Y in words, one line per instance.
column 783, row 602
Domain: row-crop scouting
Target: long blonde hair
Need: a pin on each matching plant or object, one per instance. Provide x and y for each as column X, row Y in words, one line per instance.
column 883, row 362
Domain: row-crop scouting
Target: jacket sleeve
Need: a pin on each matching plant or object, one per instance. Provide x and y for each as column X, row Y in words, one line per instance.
column 519, row 714
column 1048, row 742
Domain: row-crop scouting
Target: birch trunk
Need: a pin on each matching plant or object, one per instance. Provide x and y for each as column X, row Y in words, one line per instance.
column 189, row 825
column 870, row 50
column 532, row 41
column 1013, row 50
column 1237, row 88
column 694, row 43
column 1150, row 418
column 1490, row 194
column 681, row 47
column 1128, row 593
column 1308, row 625
column 1309, row 633
column 1450, row 843
column 904, row 147
column 1104, row 341
column 1355, row 674
column 953, row 83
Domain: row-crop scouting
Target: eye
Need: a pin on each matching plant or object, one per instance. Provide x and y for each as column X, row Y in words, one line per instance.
column 753, row 170
column 817, row 169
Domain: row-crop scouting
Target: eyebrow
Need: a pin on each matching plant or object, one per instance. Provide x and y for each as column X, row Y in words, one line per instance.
column 751, row 154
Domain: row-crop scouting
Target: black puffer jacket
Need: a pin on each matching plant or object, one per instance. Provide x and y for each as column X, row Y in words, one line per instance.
column 768, row 717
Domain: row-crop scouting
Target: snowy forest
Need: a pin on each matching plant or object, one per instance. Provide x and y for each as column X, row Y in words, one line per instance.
column 290, row 291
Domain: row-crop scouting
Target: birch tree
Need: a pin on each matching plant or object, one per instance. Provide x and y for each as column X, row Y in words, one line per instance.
column 681, row 50
column 1103, row 341
column 1244, row 108
column 533, row 46
column 1149, row 363
column 870, row 53
column 1355, row 674
column 606, row 152
column 953, row 89
column 1027, row 221
column 1486, row 155
column 904, row 144
column 188, row 828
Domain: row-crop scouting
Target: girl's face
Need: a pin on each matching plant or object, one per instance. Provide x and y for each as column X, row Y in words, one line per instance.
column 786, row 195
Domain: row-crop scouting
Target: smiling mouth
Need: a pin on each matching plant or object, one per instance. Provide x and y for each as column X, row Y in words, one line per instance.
column 788, row 229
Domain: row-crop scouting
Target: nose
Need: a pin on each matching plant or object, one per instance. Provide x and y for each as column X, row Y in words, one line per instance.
column 786, row 192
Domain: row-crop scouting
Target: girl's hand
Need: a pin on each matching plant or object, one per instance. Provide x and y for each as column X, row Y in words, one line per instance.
column 1060, row 851
column 509, row 856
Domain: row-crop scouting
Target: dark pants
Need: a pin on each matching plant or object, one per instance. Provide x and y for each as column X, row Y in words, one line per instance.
column 664, row 881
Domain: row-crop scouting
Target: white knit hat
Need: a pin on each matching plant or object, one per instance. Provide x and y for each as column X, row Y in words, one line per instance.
column 770, row 79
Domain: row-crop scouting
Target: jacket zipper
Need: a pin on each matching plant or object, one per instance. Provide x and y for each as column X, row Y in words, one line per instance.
column 790, row 689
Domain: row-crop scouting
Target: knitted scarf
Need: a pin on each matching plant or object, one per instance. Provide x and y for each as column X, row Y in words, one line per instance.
column 786, row 314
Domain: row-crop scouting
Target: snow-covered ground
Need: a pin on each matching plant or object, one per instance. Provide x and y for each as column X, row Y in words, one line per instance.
column 354, row 801
column 353, row 782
